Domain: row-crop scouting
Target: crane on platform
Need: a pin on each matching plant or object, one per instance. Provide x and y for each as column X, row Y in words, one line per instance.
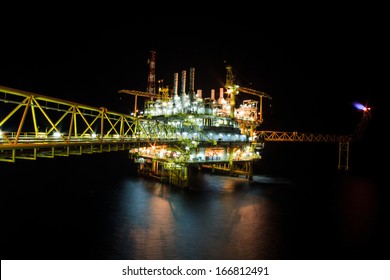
column 233, row 89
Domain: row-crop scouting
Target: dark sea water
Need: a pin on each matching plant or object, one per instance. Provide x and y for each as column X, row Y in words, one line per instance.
column 298, row 206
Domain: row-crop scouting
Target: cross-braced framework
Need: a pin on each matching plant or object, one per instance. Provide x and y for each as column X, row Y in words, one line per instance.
column 33, row 125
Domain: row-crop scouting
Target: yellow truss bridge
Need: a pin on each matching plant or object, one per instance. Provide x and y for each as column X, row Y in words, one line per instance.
column 33, row 125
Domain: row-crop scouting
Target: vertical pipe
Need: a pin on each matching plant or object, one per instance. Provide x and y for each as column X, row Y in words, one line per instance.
column 192, row 84
column 183, row 82
column 199, row 93
column 175, row 83
column 212, row 94
column 183, row 88
column 220, row 99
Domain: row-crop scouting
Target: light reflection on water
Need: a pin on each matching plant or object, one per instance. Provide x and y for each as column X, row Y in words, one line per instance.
column 224, row 218
column 107, row 212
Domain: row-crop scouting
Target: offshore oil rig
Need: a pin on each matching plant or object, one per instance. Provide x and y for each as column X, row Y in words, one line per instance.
column 177, row 129
column 214, row 133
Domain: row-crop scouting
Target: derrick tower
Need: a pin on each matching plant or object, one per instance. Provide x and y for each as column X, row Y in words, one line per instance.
column 152, row 73
column 231, row 89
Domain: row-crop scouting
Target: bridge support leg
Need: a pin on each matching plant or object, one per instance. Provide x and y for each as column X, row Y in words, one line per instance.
column 343, row 156
column 250, row 173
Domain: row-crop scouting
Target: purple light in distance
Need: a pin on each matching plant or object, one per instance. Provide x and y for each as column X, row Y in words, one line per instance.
column 360, row 106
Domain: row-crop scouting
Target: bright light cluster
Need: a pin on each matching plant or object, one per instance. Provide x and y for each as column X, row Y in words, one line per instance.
column 360, row 106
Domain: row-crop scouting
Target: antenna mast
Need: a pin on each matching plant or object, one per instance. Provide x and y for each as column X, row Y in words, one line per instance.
column 152, row 73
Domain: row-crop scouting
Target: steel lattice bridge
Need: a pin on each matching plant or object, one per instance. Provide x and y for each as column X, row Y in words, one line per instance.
column 36, row 126
column 33, row 125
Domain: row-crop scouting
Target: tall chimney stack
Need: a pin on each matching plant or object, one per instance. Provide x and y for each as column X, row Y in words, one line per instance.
column 183, row 87
column 199, row 93
column 192, row 84
column 183, row 82
column 175, row 83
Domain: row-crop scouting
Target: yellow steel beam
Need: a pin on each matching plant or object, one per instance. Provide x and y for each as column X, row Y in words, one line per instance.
column 281, row 136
